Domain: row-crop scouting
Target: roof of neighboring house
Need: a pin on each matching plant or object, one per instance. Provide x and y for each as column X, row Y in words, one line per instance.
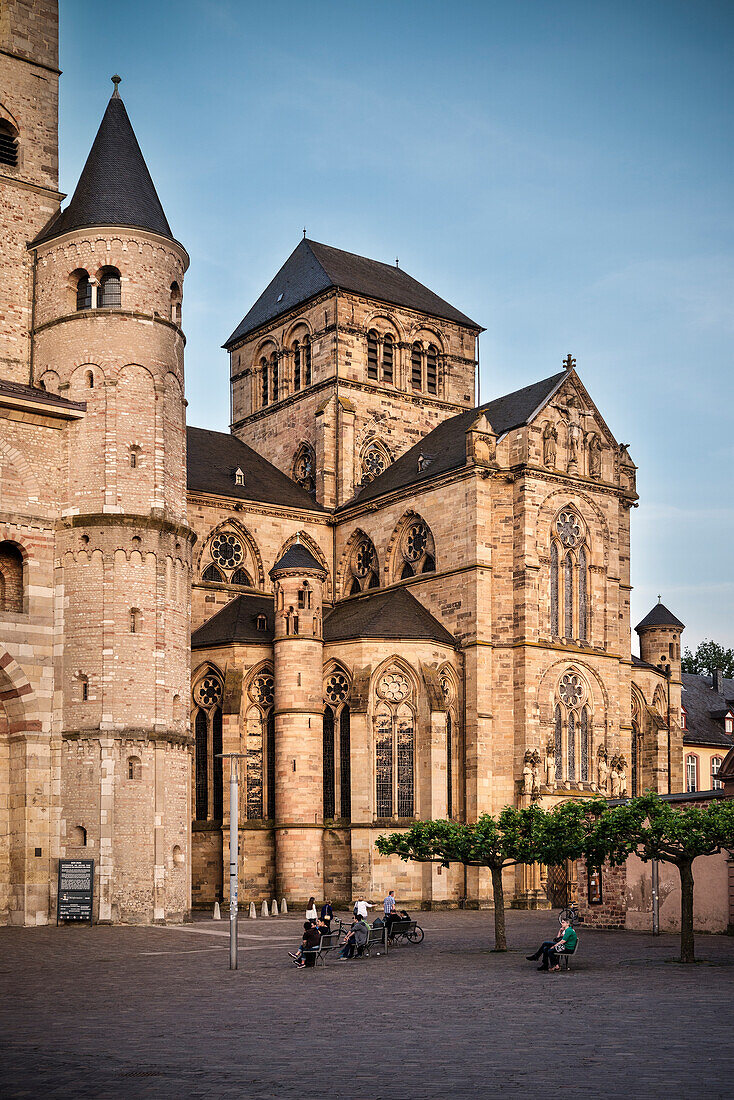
column 297, row 556
column 237, row 623
column 313, row 268
column 444, row 448
column 660, row 616
column 214, row 457
column 115, row 187
column 705, row 711
column 35, row 393
column 384, row 614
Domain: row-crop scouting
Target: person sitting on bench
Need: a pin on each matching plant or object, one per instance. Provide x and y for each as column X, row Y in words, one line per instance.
column 306, row 954
column 356, row 939
column 550, row 950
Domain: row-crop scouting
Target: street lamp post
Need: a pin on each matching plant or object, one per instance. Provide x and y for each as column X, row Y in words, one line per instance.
column 234, row 829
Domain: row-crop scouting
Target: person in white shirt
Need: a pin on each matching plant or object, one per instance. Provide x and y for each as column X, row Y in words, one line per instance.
column 311, row 913
column 360, row 908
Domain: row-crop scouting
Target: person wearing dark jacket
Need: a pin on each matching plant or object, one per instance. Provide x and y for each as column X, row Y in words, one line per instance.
column 309, row 944
column 327, row 914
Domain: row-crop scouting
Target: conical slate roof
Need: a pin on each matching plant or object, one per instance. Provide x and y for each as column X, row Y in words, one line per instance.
column 660, row 616
column 297, row 556
column 115, row 187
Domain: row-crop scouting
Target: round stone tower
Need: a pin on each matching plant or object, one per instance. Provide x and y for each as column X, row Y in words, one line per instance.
column 660, row 637
column 299, row 724
column 660, row 634
column 107, row 332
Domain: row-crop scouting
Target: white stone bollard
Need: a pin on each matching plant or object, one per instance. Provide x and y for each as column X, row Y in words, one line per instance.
column 253, row 912
column 264, row 911
column 283, row 907
column 216, row 915
column 274, row 908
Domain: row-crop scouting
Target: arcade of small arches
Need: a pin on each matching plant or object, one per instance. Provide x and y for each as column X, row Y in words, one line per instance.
column 103, row 290
column 12, row 584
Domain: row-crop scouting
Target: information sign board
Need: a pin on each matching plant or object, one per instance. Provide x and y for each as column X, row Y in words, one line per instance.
column 76, row 890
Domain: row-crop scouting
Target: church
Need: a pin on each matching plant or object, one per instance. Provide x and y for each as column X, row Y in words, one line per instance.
column 392, row 603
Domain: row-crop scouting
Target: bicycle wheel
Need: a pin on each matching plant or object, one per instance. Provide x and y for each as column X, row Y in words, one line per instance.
column 568, row 915
column 415, row 935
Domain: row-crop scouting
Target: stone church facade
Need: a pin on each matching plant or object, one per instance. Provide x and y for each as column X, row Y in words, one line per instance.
column 392, row 603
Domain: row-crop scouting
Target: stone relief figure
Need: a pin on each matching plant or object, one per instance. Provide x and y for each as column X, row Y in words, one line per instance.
column 614, row 777
column 550, row 441
column 527, row 773
column 550, row 763
column 602, row 768
column 594, row 456
column 622, row 771
column 535, row 762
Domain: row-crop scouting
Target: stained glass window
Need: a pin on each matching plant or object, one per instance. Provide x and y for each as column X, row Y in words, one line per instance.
column 218, row 808
column 568, row 596
column 558, row 743
column 554, row 588
column 634, row 761
column 405, row 763
column 271, row 763
column 329, row 804
column 449, row 768
column 345, row 762
column 383, row 734
column 571, row 746
column 254, row 748
column 584, row 746
column 202, row 788
column 582, row 595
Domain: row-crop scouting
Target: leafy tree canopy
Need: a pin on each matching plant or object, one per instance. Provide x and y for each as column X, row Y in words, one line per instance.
column 708, row 657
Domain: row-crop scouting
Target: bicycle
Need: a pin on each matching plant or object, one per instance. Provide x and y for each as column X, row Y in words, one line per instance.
column 569, row 914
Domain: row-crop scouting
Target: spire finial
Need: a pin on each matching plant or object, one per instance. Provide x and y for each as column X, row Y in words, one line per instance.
column 660, row 599
column 304, row 232
column 569, row 362
column 397, row 262
column 116, row 80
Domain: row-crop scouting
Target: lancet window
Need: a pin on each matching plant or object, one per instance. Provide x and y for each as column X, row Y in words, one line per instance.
column 364, row 570
column 304, row 468
column 337, row 747
column 417, row 552
column 635, row 745
column 260, row 747
column 394, row 726
column 208, row 789
column 448, row 689
column 572, row 731
column 569, row 578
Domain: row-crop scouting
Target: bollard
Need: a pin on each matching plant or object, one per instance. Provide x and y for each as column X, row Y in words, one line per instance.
column 264, row 911
column 283, row 907
column 274, row 908
column 216, row 915
column 253, row 913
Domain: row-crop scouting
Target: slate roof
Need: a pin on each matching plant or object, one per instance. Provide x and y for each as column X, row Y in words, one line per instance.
column 384, row 614
column 297, row 556
column 702, row 703
column 313, row 268
column 637, row 662
column 445, row 447
column 115, row 187
column 237, row 622
column 34, row 393
column 660, row 616
column 213, row 458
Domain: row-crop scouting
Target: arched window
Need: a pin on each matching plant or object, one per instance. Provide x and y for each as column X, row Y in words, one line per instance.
column 570, row 608
column 211, row 573
column 568, row 596
column 572, row 730
column 691, row 772
column 78, row 837
column 449, row 768
column 176, row 303
column 11, row 577
column 554, row 588
column 217, row 768
column 558, row 742
column 259, row 719
column 89, row 379
column 264, row 391
column 274, row 372
column 375, row 461
column 83, row 292
column 571, row 746
column 136, row 620
column 585, row 746
column 583, row 610
column 328, row 754
column 208, row 747
column 337, row 746
column 388, row 358
column 716, row 784
column 364, row 571
column 296, row 366
column 372, row 355
column 432, row 369
column 306, row 360
column 304, row 468
column 416, row 367
column 109, row 294
column 394, row 721
column 202, row 785
column 345, row 763
column 8, row 144
column 134, row 768
column 241, row 576
column 417, row 552
column 270, row 730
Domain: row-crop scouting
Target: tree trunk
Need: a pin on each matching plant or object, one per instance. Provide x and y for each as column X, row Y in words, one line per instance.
column 685, row 870
column 500, row 943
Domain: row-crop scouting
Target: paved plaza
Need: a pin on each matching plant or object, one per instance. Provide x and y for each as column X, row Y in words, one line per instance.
column 154, row 1012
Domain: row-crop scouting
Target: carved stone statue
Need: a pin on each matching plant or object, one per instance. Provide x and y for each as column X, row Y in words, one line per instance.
column 614, row 777
column 535, row 763
column 622, row 770
column 550, row 763
column 595, row 456
column 602, row 768
column 550, row 440
column 527, row 774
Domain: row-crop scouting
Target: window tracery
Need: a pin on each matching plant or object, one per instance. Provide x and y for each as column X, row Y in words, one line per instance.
column 394, row 724
column 304, row 468
column 417, row 549
column 572, row 739
column 208, row 774
column 364, row 570
column 375, row 461
column 260, row 747
column 569, row 578
column 337, row 746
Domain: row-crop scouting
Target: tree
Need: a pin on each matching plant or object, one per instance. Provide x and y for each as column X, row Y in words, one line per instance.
column 708, row 657
column 509, row 839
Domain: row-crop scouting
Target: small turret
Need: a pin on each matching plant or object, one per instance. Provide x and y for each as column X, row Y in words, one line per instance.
column 660, row 633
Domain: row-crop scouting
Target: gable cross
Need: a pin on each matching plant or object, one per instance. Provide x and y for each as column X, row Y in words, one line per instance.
column 569, row 362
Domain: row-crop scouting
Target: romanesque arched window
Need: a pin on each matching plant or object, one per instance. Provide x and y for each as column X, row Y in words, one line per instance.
column 307, row 360
column 208, row 788
column 109, row 293
column 569, row 577
column 11, row 577
column 260, row 753
column 432, row 369
column 337, row 746
column 274, row 373
column 304, row 468
column 416, row 367
column 572, row 730
column 372, row 369
column 375, row 460
column 264, row 383
column 296, row 366
column 363, row 571
column 416, row 551
column 394, row 725
column 83, row 291
column 388, row 358
column 176, row 298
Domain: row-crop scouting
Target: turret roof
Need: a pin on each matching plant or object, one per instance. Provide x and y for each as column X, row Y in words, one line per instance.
column 297, row 556
column 115, row 187
column 659, row 616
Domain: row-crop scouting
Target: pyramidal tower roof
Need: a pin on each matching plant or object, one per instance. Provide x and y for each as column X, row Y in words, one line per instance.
column 115, row 187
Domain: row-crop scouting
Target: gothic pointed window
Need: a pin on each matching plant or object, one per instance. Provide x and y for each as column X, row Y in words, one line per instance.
column 388, row 356
column 416, row 367
column 417, row 549
column 372, row 355
column 583, row 609
column 449, row 767
column 296, row 366
column 218, row 785
column 585, row 747
column 558, row 742
column 568, row 596
column 554, row 588
column 375, row 461
column 83, row 292
column 345, row 762
column 201, row 752
column 109, row 293
column 634, row 761
column 337, row 746
column 328, row 755
column 264, row 383
column 395, row 745
column 572, row 746
column 270, row 732
column 241, row 576
column 384, row 761
column 254, row 731
column 208, row 747
column 304, row 468
column 570, row 608
column 307, row 361
column 364, row 570
column 260, row 760
column 432, row 369
column 211, row 573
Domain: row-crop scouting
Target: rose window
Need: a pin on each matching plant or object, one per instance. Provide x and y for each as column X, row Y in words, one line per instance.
column 364, row 559
column 394, row 686
column 209, row 691
column 227, row 551
column 373, row 463
column 262, row 689
column 416, row 541
column 568, row 528
column 571, row 690
column 337, row 688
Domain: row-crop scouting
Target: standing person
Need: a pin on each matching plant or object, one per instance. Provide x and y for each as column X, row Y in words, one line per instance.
column 360, row 908
column 389, row 903
column 327, row 914
column 311, row 913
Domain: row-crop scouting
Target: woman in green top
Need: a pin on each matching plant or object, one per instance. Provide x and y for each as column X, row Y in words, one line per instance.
column 566, row 942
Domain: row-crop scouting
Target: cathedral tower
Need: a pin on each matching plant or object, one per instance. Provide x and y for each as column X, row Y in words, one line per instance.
column 660, row 635
column 109, row 279
column 299, row 782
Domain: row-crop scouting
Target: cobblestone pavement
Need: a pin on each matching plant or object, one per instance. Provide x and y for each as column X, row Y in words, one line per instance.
column 154, row 1012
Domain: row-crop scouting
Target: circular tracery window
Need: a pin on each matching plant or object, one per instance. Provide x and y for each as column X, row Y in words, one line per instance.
column 571, row 690
column 568, row 528
column 262, row 689
column 337, row 688
column 394, row 686
column 209, row 691
column 227, row 551
column 416, row 541
column 373, row 463
column 364, row 558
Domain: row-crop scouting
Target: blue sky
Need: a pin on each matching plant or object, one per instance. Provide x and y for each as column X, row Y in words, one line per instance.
column 560, row 171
